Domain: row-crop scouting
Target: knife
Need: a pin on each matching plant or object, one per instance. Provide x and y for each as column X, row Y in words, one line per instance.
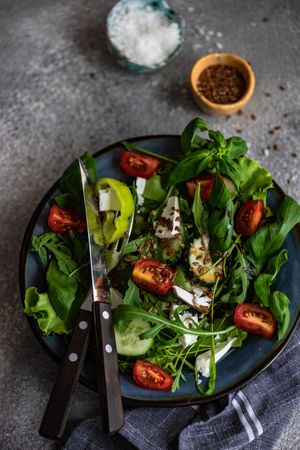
column 56, row 413
column 107, row 359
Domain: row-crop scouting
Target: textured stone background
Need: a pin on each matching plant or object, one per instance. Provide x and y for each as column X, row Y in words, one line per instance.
column 61, row 93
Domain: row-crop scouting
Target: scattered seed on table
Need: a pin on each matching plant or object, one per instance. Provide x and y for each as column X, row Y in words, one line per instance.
column 282, row 87
column 268, row 94
column 253, row 116
column 265, row 19
column 294, row 155
column 278, row 127
column 271, row 131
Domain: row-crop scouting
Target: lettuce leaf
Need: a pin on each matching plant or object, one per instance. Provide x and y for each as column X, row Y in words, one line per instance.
column 39, row 306
column 255, row 180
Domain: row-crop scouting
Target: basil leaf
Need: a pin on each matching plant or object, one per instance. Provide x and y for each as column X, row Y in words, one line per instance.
column 220, row 222
column 267, row 240
column 70, row 182
column 236, row 147
column 264, row 281
column 280, row 308
column 188, row 135
column 190, row 167
column 199, row 212
column 218, row 138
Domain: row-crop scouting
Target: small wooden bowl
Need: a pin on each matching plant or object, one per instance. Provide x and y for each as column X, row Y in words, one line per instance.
column 230, row 60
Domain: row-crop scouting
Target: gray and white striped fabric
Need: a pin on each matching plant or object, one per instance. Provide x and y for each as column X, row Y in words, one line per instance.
column 251, row 418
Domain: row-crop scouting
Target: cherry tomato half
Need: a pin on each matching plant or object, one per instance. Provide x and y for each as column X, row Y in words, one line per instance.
column 255, row 319
column 206, row 186
column 62, row 220
column 150, row 376
column 153, row 276
column 137, row 165
column 249, row 217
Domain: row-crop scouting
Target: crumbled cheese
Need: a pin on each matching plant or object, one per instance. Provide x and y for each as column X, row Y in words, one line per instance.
column 203, row 360
column 140, row 188
column 108, row 200
column 144, row 36
column 170, row 227
column 195, row 299
column 187, row 319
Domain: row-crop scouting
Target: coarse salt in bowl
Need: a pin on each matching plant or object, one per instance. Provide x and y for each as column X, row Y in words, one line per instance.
column 144, row 36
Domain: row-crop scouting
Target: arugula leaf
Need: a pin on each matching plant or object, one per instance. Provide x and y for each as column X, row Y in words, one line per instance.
column 132, row 147
column 129, row 312
column 255, row 180
column 199, row 212
column 188, row 136
column 237, row 283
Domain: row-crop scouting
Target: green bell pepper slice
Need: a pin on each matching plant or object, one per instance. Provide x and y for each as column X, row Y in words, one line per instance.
column 115, row 229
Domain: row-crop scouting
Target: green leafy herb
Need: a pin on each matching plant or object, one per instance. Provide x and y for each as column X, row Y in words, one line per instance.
column 200, row 213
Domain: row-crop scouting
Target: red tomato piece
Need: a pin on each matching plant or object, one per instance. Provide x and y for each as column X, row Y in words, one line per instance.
column 249, row 217
column 150, row 376
column 206, row 186
column 62, row 220
column 138, row 165
column 255, row 319
column 153, row 276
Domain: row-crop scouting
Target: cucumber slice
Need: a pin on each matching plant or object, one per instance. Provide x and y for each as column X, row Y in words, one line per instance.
column 129, row 343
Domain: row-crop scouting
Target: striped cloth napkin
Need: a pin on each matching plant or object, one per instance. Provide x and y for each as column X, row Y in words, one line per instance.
column 252, row 418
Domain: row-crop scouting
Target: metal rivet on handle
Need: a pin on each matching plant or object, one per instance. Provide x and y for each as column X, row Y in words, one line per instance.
column 105, row 315
column 73, row 357
column 83, row 325
column 108, row 348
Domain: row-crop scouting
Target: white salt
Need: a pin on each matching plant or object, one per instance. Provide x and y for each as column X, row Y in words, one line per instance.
column 144, row 36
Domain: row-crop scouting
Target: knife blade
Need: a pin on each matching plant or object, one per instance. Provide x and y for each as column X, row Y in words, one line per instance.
column 56, row 413
column 107, row 359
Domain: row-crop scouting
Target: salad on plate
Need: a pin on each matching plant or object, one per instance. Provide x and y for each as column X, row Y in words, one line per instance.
column 198, row 271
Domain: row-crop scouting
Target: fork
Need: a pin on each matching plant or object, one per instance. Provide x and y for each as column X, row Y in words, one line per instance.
column 56, row 413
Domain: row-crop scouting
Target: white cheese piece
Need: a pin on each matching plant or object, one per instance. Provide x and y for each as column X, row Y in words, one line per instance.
column 186, row 319
column 203, row 360
column 108, row 200
column 182, row 294
column 140, row 188
column 171, row 213
column 194, row 299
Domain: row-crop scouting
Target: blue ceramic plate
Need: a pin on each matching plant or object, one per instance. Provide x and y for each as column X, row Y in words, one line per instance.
column 237, row 368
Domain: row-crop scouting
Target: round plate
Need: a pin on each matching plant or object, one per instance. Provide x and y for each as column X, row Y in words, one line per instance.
column 237, row 368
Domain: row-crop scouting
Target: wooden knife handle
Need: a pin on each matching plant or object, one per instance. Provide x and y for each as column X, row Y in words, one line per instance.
column 108, row 371
column 56, row 414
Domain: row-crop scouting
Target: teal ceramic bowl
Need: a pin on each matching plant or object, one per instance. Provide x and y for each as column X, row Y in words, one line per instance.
column 236, row 369
column 160, row 6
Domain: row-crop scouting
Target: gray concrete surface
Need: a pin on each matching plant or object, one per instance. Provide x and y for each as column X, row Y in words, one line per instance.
column 61, row 93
